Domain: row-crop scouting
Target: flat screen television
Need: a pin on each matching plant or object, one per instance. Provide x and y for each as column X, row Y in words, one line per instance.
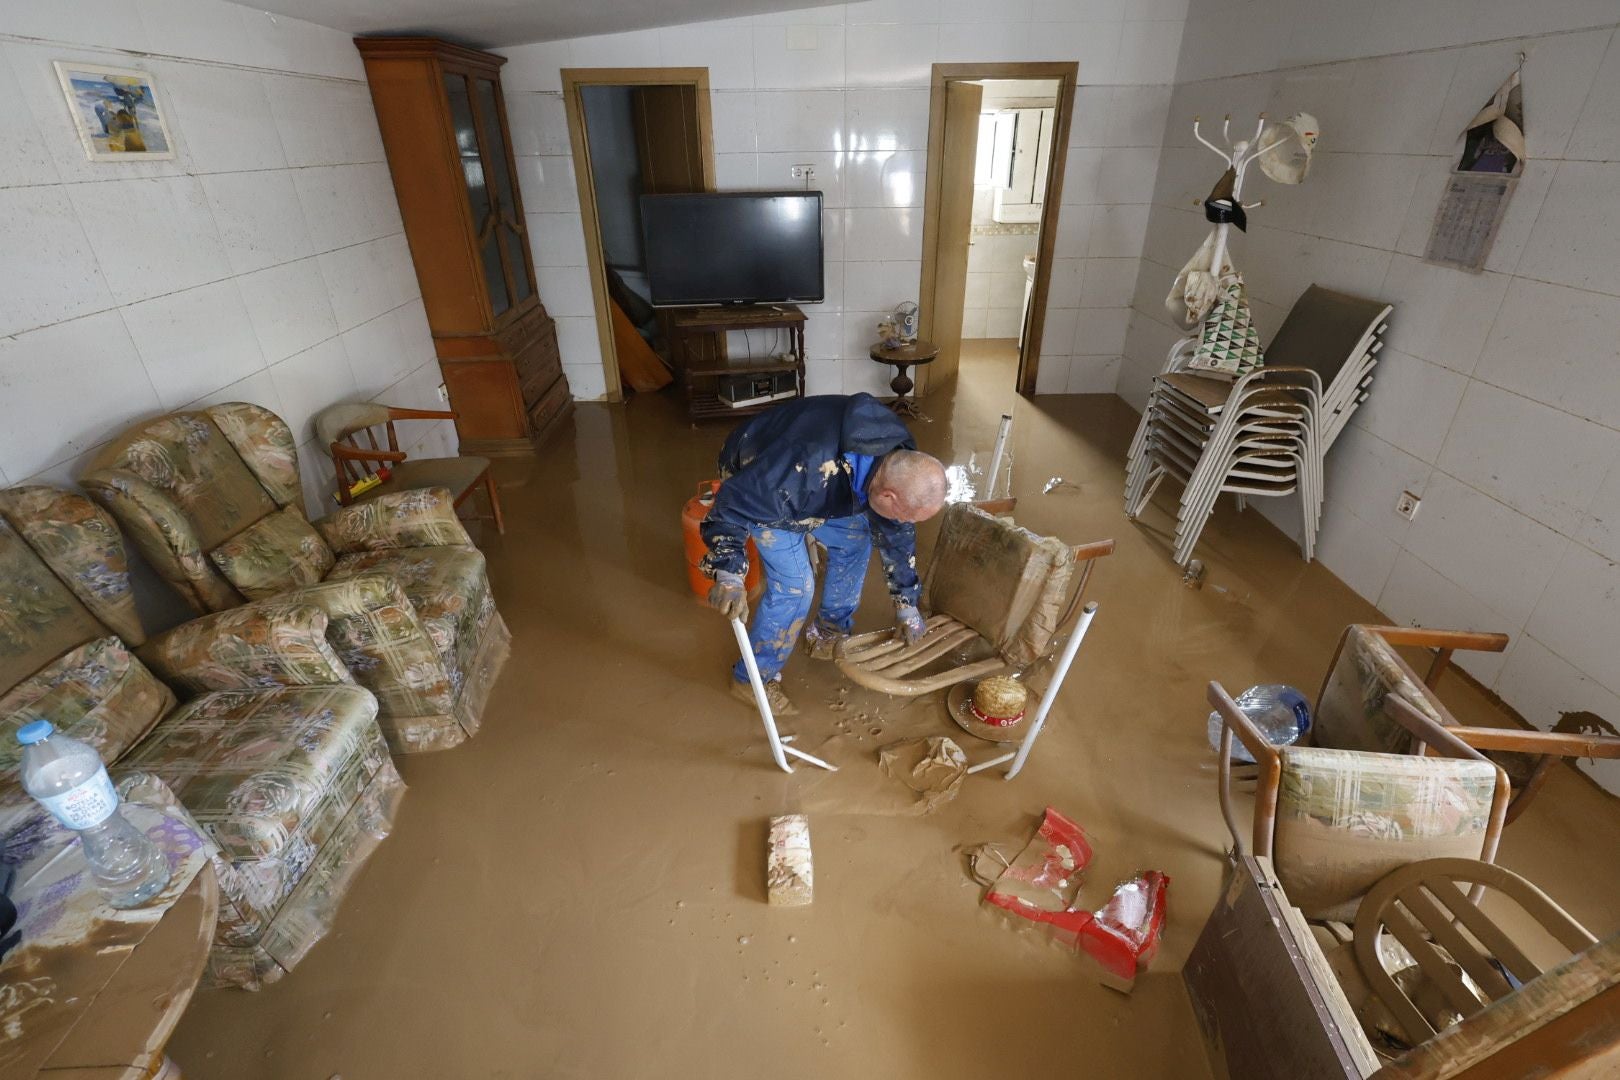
column 743, row 247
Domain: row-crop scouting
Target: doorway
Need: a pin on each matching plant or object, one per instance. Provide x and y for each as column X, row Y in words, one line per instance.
column 998, row 135
column 633, row 132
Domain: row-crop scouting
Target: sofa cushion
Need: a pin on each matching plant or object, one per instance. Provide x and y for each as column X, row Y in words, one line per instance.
column 1350, row 715
column 280, row 551
column 448, row 587
column 268, row 774
column 97, row 693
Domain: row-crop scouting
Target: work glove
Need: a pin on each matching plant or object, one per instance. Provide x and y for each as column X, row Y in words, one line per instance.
column 909, row 621
column 729, row 596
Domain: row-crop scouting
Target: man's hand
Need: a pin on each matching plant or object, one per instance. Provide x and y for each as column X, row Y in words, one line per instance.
column 909, row 621
column 729, row 596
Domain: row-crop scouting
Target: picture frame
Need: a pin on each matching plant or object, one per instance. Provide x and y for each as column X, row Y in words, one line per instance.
column 116, row 111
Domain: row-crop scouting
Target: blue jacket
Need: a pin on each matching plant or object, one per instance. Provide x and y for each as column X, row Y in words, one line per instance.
column 786, row 469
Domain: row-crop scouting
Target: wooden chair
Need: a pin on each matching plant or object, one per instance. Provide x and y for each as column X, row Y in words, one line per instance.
column 1366, row 669
column 1333, row 822
column 1423, row 908
column 341, row 427
column 992, row 587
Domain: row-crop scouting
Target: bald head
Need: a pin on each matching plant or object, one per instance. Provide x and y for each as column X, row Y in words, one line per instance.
column 907, row 486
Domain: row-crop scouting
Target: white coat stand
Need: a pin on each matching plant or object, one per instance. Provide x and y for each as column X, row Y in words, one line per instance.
column 780, row 750
column 1239, row 156
column 1071, row 647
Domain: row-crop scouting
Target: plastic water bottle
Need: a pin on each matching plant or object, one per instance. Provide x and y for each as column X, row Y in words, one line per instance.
column 69, row 780
column 1281, row 713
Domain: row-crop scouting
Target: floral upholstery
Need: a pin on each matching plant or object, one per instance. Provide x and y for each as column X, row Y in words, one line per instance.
column 289, row 775
column 279, row 642
column 431, row 670
column 1346, row 818
column 97, row 693
column 1350, row 715
column 265, row 444
column 278, row 552
column 81, row 545
column 421, row 518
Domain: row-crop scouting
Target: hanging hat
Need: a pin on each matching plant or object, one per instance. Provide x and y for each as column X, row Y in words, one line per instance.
column 992, row 708
column 1285, row 148
column 1221, row 205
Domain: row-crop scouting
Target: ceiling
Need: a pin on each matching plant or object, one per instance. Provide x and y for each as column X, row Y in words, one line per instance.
column 490, row 23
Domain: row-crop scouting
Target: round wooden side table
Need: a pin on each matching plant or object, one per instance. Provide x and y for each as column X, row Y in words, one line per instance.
column 902, row 357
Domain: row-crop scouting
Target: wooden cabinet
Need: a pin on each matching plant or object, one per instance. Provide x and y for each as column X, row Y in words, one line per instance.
column 444, row 129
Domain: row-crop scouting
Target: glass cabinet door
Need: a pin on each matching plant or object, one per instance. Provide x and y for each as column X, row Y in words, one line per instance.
column 509, row 225
column 482, row 201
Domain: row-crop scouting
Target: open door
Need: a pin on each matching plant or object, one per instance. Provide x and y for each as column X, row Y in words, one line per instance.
column 666, row 119
column 963, row 101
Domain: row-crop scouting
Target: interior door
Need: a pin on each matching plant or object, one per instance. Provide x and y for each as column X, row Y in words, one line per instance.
column 667, row 139
column 963, row 101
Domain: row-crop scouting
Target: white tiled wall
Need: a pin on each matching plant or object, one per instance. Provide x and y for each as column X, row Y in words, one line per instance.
column 846, row 89
column 1498, row 398
column 265, row 263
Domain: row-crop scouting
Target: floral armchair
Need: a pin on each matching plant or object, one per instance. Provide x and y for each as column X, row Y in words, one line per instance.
column 213, row 500
column 280, row 761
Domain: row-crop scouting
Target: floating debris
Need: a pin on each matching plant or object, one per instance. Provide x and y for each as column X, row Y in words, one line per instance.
column 1057, row 483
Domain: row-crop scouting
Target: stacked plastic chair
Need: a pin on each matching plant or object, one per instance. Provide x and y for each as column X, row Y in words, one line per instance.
column 1265, row 433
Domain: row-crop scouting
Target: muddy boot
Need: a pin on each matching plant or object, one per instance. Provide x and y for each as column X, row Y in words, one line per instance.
column 823, row 643
column 780, row 705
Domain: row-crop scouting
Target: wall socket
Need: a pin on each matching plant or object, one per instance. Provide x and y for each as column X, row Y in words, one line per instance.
column 444, row 393
column 1407, row 505
column 804, row 172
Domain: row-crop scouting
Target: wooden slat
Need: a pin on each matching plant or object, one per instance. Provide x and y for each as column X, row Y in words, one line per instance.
column 1409, row 933
column 1480, row 925
column 1426, row 911
column 910, row 661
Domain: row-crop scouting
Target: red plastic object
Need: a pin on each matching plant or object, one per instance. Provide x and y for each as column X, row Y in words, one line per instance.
column 1122, row 936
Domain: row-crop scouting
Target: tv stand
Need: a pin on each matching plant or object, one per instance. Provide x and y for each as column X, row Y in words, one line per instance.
column 701, row 370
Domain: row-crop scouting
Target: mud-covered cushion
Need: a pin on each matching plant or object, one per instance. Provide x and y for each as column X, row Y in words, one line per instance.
column 268, row 774
column 425, row 517
column 1351, row 714
column 97, row 693
column 277, row 642
column 79, row 542
column 280, row 551
column 1003, row 580
column 449, row 589
column 1346, row 818
column 264, row 442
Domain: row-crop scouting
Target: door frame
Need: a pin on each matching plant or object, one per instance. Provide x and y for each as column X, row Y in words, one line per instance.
column 1067, row 75
column 574, row 81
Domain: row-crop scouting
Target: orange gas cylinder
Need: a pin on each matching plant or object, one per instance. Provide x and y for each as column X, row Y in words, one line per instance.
column 692, row 515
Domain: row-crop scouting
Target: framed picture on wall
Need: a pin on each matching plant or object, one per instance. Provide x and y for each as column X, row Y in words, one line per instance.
column 116, row 112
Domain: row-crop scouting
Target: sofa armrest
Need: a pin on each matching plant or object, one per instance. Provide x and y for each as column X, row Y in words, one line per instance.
column 278, row 642
column 425, row 517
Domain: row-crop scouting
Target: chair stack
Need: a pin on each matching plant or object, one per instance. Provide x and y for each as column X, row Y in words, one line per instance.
column 1267, row 432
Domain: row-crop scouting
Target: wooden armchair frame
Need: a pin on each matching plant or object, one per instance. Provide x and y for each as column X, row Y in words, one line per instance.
column 1550, row 745
column 354, row 463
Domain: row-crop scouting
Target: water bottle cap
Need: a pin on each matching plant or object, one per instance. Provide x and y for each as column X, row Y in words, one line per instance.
column 35, row 731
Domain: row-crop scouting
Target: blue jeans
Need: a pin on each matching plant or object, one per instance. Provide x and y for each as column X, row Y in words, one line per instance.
column 790, row 585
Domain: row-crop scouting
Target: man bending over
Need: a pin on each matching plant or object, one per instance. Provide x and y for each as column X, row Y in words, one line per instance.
column 843, row 470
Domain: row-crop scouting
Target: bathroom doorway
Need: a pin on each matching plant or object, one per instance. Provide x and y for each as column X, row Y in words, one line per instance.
column 998, row 136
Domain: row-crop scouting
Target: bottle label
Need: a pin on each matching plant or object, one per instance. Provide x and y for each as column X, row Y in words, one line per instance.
column 85, row 806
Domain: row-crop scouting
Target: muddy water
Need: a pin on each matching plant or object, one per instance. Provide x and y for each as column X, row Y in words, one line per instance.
column 579, row 892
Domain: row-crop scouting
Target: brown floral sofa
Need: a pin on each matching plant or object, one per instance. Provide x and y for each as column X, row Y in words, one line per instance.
column 212, row 498
column 279, row 759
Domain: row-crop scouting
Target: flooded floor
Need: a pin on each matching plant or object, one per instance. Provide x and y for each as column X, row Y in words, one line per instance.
column 579, row 891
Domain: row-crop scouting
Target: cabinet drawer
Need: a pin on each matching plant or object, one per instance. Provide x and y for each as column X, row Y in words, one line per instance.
column 552, row 403
column 538, row 366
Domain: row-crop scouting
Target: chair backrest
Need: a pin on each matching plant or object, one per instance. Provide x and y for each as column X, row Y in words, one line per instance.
column 1324, row 330
column 1004, row 581
column 1425, row 910
column 355, row 425
column 1350, row 713
column 1346, row 818
column 64, row 585
column 184, row 483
